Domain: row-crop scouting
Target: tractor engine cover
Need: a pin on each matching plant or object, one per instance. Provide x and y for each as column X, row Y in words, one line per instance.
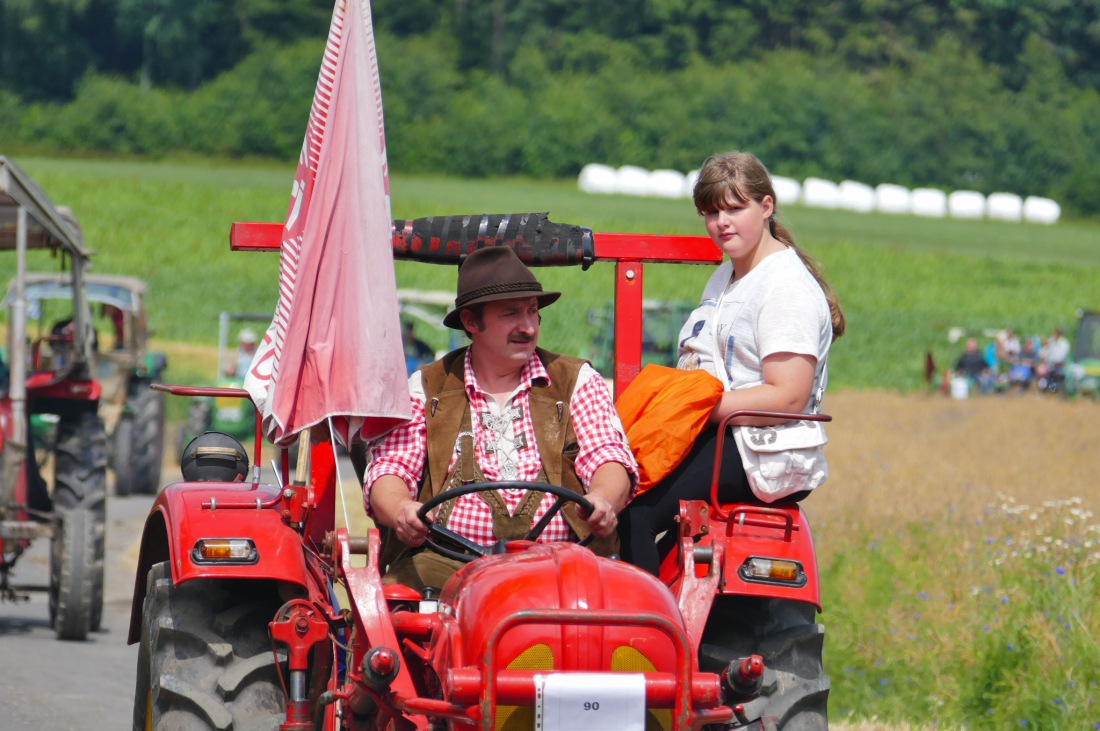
column 214, row 457
column 565, row 577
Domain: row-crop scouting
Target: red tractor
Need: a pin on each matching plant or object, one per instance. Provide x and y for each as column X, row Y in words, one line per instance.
column 53, row 446
column 236, row 609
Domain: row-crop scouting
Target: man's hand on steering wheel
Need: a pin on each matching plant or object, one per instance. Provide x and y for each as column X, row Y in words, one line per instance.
column 411, row 530
column 602, row 521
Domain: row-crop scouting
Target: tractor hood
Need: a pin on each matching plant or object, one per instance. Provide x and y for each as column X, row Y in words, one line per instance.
column 542, row 579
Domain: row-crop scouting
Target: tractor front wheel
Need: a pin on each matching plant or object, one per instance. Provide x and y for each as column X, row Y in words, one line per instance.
column 795, row 688
column 76, row 574
column 206, row 661
column 80, row 484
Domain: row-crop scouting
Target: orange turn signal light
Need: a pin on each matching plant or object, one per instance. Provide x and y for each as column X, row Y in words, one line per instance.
column 773, row 570
column 225, row 551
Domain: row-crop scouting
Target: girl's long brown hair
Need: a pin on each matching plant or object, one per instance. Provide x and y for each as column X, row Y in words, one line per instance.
column 742, row 176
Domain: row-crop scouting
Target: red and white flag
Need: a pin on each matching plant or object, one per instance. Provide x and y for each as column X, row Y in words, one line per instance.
column 334, row 345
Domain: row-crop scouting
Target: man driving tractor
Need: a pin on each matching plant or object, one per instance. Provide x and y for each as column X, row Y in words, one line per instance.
column 500, row 409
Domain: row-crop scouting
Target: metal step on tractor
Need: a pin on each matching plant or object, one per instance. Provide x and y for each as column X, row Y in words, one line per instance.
column 53, row 478
column 254, row 610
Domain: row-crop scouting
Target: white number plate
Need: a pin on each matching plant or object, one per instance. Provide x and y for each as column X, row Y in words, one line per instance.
column 590, row 702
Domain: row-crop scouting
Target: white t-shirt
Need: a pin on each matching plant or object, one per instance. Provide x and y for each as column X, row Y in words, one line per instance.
column 778, row 307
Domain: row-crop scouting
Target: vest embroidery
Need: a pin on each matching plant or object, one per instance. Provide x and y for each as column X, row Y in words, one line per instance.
column 502, row 440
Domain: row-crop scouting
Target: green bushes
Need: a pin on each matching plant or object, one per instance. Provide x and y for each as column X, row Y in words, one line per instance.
column 943, row 120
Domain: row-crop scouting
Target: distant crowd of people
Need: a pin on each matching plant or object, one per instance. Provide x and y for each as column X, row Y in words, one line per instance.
column 1011, row 363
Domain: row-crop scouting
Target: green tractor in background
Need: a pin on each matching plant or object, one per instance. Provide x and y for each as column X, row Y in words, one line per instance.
column 1083, row 374
column 662, row 321
column 132, row 413
column 233, row 416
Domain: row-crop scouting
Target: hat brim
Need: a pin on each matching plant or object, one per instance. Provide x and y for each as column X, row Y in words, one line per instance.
column 453, row 319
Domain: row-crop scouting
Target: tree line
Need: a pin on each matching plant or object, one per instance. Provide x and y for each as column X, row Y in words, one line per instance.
column 960, row 94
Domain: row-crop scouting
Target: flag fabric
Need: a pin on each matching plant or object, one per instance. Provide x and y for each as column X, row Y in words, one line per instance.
column 333, row 348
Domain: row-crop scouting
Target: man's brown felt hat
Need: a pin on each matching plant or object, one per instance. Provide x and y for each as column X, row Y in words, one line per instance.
column 495, row 273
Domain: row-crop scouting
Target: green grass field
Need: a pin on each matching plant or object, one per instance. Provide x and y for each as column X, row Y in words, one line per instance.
column 903, row 280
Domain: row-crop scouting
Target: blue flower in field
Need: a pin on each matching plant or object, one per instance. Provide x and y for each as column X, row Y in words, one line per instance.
column 1023, row 721
column 1004, row 600
column 923, row 595
column 1060, row 571
column 989, row 711
column 1057, row 701
column 882, row 681
column 986, row 628
column 916, row 615
column 878, row 661
column 1011, row 647
column 1071, row 683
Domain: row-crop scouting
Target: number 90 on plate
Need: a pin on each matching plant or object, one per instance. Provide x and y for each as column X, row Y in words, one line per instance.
column 590, row 702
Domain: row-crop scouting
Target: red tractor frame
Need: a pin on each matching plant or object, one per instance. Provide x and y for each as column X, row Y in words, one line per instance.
column 239, row 625
column 53, row 485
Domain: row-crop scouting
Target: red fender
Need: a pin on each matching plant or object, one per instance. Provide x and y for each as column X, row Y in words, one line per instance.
column 184, row 513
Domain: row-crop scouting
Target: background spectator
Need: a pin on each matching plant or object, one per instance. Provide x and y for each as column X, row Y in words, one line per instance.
column 973, row 366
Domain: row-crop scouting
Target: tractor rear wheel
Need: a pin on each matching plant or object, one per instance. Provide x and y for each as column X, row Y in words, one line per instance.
column 795, row 688
column 148, row 438
column 199, row 418
column 76, row 574
column 80, row 473
column 205, row 660
column 122, row 459
column 80, row 483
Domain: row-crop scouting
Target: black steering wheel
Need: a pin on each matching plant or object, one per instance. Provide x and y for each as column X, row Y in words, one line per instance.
column 471, row 550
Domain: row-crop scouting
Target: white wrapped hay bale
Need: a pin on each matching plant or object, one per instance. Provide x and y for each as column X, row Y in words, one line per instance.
column 891, row 198
column 632, row 180
column 787, row 190
column 689, row 183
column 929, row 202
column 596, row 178
column 666, row 184
column 856, row 196
column 1004, row 207
column 820, row 193
column 966, row 204
column 1041, row 210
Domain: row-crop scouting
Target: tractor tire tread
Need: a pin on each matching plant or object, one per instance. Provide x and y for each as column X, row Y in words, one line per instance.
column 76, row 572
column 795, row 687
column 204, row 662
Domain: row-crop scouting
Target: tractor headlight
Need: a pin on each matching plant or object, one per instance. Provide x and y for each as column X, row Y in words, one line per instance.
column 772, row 571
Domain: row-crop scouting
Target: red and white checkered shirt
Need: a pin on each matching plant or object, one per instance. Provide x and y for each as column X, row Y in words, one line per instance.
column 600, row 437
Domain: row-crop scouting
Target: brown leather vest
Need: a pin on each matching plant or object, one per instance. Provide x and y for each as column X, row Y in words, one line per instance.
column 446, row 414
